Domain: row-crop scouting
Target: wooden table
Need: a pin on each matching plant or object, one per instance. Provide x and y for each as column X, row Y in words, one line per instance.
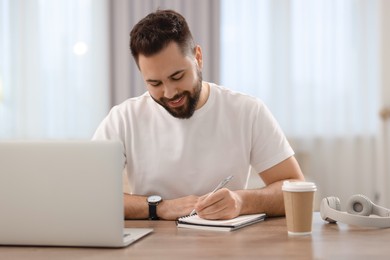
column 266, row 240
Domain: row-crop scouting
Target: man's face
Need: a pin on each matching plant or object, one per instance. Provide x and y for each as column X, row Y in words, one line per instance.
column 173, row 80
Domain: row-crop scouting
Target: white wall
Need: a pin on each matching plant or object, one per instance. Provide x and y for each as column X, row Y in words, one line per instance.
column 383, row 176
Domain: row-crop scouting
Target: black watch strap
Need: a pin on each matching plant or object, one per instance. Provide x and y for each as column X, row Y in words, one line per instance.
column 153, row 211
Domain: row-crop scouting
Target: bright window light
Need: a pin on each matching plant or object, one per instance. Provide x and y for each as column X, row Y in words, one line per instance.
column 1, row 91
column 80, row 48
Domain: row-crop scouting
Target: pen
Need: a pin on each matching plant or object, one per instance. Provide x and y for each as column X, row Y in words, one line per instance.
column 220, row 185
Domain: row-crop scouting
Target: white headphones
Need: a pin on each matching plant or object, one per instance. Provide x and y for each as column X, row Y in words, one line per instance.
column 359, row 209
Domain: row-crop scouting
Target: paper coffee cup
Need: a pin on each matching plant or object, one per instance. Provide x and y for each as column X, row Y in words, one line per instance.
column 298, row 203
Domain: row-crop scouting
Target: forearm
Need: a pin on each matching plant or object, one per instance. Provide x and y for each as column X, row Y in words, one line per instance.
column 136, row 207
column 267, row 200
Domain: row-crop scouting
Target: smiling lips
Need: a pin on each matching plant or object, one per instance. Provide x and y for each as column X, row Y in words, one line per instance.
column 177, row 102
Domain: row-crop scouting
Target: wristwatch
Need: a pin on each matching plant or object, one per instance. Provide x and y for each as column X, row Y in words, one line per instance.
column 153, row 201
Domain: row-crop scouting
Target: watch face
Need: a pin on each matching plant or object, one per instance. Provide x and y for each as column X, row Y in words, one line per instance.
column 154, row 199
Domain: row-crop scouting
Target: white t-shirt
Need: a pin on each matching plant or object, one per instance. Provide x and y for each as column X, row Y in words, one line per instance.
column 174, row 157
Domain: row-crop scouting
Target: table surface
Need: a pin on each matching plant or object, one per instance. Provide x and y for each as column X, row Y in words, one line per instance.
column 268, row 239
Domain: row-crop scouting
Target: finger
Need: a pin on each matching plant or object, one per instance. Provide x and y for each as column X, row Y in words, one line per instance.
column 208, row 200
column 222, row 206
column 213, row 212
column 216, row 210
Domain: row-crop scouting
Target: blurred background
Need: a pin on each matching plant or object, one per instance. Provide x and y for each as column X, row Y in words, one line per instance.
column 321, row 66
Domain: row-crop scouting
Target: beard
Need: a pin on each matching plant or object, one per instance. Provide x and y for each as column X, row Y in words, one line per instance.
column 192, row 98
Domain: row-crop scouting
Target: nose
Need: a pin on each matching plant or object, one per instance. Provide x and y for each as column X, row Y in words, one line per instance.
column 169, row 91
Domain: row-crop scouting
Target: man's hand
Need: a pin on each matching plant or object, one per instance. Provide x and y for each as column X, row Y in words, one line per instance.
column 223, row 204
column 173, row 209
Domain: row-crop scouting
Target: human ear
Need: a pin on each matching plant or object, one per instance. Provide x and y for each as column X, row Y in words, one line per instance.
column 198, row 56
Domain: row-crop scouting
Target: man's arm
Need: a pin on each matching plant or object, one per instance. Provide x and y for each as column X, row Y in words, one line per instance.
column 136, row 207
column 226, row 204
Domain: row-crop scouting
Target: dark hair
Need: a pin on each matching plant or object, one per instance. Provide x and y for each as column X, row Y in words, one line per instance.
column 154, row 32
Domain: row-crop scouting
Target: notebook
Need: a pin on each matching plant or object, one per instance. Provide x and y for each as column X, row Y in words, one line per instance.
column 63, row 193
column 195, row 222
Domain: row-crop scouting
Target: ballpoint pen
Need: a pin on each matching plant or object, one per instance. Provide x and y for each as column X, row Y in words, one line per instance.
column 220, row 185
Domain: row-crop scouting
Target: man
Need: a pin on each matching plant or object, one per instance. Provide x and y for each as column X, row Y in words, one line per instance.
column 185, row 135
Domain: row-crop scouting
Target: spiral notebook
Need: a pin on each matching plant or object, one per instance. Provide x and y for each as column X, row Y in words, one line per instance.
column 195, row 222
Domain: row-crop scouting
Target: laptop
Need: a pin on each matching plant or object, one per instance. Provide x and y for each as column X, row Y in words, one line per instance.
column 63, row 193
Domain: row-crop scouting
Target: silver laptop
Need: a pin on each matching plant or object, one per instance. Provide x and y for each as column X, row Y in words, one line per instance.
column 63, row 193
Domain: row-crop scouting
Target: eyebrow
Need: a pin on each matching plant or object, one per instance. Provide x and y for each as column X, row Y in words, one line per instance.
column 170, row 76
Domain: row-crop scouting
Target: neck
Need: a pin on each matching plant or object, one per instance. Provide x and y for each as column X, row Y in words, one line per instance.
column 204, row 94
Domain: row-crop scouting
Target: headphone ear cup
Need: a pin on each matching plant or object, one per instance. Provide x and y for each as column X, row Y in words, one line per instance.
column 333, row 203
column 359, row 205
